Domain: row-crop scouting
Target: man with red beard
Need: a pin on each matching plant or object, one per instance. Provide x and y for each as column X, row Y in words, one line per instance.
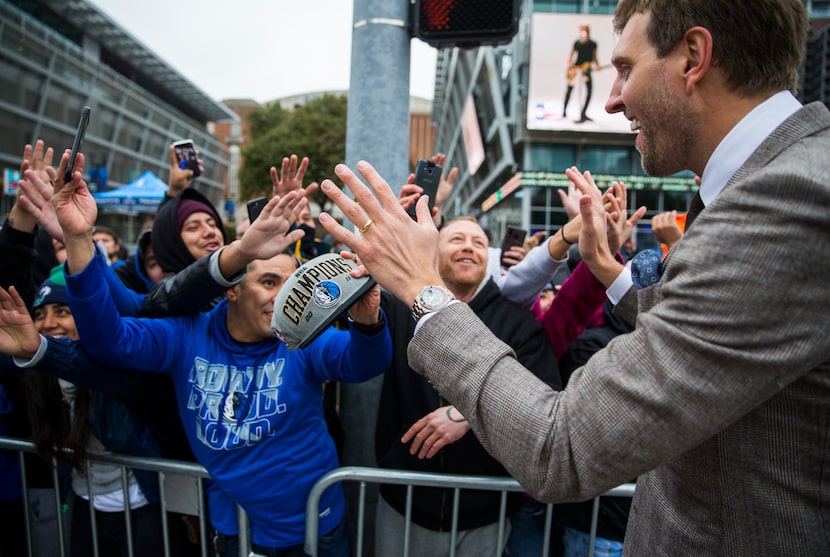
column 419, row 430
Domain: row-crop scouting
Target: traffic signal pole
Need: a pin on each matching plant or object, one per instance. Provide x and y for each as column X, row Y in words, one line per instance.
column 377, row 131
column 377, row 128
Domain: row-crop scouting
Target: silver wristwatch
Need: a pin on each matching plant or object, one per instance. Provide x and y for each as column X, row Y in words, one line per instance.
column 430, row 299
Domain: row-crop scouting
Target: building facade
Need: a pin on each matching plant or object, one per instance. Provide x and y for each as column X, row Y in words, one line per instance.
column 57, row 56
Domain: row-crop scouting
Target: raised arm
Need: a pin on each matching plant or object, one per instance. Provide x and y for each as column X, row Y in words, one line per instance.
column 180, row 178
column 290, row 177
column 195, row 287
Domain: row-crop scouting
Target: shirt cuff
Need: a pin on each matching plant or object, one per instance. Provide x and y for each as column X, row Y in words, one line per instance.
column 620, row 286
column 216, row 274
column 41, row 351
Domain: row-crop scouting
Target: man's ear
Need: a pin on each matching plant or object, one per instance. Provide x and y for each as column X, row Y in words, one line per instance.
column 697, row 44
column 232, row 294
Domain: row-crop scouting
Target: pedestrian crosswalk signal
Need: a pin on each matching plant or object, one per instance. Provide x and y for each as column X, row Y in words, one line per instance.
column 466, row 23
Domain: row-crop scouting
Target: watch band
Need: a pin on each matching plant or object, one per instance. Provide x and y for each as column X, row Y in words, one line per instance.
column 425, row 303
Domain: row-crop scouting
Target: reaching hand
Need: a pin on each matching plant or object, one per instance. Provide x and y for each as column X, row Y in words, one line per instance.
column 409, row 194
column 593, row 238
column 180, row 178
column 73, row 202
column 534, row 240
column 38, row 160
column 570, row 200
column 665, row 228
column 290, row 177
column 36, row 199
column 18, row 335
column 366, row 310
column 268, row 235
column 26, row 212
column 435, row 431
column 447, row 181
column 513, row 256
column 620, row 228
column 400, row 253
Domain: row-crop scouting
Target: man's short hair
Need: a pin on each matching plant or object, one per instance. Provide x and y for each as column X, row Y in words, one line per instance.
column 108, row 231
column 461, row 218
column 758, row 44
column 467, row 219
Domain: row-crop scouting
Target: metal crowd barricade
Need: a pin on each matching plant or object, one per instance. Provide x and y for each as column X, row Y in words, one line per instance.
column 366, row 475
column 180, row 490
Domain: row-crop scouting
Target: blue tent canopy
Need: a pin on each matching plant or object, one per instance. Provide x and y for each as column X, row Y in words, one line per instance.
column 140, row 196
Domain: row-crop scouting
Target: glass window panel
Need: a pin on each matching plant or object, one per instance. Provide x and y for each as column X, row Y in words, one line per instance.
column 102, row 123
column 63, row 105
column 539, row 197
column 57, row 139
column 160, row 119
column 676, row 200
column 130, row 135
column 107, row 91
column 15, row 132
column 593, row 159
column 156, row 146
column 650, row 198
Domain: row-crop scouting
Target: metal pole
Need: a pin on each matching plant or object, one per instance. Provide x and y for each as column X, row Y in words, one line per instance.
column 378, row 115
column 377, row 131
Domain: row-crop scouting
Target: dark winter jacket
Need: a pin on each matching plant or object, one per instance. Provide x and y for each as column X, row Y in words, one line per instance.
column 406, row 397
column 132, row 272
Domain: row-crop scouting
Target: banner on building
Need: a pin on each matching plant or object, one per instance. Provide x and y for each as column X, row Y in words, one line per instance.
column 10, row 179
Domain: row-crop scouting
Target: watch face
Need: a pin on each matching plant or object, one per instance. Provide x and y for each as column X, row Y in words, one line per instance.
column 433, row 297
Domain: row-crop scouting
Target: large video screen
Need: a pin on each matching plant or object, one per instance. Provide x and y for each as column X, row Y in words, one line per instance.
column 562, row 66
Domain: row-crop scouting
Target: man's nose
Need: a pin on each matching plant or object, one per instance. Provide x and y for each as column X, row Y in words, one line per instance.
column 615, row 103
column 49, row 321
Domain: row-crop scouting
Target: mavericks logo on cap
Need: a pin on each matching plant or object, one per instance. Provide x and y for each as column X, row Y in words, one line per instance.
column 42, row 295
column 326, row 294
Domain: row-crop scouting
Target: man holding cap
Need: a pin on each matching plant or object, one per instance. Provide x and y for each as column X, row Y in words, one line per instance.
column 250, row 405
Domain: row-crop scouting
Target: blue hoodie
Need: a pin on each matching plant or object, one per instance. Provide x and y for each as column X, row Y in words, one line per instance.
column 253, row 412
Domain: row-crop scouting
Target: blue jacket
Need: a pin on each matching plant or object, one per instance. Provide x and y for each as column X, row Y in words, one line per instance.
column 253, row 413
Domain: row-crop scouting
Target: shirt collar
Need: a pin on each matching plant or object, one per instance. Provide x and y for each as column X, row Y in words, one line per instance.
column 743, row 140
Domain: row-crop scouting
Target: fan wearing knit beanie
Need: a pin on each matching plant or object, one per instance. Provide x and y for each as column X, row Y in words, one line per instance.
column 186, row 228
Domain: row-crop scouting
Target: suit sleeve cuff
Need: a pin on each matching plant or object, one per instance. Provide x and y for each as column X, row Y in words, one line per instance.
column 426, row 317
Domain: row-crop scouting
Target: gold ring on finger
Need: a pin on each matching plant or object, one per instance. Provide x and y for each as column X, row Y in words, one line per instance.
column 365, row 227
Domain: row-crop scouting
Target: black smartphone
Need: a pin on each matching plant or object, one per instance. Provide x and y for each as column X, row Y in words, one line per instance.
column 428, row 176
column 255, row 207
column 186, row 156
column 76, row 143
column 512, row 237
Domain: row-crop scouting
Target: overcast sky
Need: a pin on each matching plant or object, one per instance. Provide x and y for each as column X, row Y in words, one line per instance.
column 258, row 49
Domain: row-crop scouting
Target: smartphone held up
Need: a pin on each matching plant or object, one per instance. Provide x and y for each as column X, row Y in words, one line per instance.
column 186, row 156
column 428, row 176
column 255, row 207
column 512, row 237
column 76, row 143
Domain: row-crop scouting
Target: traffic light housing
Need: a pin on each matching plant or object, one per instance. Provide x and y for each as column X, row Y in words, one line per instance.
column 465, row 23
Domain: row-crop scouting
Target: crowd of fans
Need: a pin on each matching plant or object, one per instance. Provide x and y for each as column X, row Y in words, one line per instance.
column 572, row 363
